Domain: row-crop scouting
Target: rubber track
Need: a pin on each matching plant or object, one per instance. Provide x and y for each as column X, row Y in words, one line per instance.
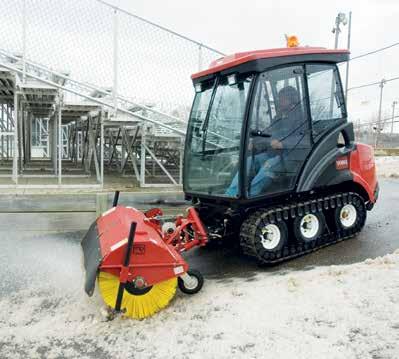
column 280, row 213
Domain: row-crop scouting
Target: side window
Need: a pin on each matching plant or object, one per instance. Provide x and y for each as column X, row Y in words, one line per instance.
column 272, row 88
column 325, row 97
column 279, row 138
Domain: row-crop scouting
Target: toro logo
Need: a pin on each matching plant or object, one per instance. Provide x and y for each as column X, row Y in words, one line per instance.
column 342, row 163
column 139, row 249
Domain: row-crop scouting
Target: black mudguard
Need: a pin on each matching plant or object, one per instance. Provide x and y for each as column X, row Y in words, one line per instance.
column 92, row 257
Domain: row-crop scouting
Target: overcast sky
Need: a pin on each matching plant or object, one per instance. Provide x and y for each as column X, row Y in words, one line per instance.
column 238, row 25
column 232, row 26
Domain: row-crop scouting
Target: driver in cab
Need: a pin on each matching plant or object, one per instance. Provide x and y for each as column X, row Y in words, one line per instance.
column 266, row 150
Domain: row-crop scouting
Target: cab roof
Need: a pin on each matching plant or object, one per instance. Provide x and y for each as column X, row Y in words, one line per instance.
column 271, row 57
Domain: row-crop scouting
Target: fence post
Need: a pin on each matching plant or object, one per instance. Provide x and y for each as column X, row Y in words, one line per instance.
column 115, row 62
column 377, row 131
column 60, row 141
column 4, row 128
column 24, row 41
column 142, row 155
column 15, row 144
column 101, row 203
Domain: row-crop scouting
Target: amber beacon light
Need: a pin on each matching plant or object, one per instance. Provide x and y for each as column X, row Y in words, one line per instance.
column 292, row 41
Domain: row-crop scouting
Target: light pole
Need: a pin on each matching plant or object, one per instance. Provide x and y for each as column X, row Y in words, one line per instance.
column 378, row 129
column 347, row 62
column 394, row 103
column 340, row 19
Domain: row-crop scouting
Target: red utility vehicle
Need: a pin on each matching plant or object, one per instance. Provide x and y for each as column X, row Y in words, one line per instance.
column 270, row 160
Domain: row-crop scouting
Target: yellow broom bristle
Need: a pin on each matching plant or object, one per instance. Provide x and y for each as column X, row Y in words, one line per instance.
column 137, row 306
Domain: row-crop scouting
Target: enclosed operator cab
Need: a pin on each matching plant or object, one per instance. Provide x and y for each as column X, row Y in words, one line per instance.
column 256, row 119
column 269, row 127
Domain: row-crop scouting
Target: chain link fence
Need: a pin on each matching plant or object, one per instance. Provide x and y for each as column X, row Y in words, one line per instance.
column 99, row 44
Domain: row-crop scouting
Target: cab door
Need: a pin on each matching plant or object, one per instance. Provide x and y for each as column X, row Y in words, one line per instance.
column 278, row 134
column 332, row 134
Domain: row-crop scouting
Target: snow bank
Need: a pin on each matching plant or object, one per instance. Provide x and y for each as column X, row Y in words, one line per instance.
column 387, row 166
column 328, row 312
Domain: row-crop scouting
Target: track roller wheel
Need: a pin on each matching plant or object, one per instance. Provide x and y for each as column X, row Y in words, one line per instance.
column 351, row 214
column 263, row 236
column 137, row 303
column 309, row 227
column 191, row 282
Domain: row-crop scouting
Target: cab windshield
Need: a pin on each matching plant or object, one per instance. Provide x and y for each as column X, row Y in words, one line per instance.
column 214, row 135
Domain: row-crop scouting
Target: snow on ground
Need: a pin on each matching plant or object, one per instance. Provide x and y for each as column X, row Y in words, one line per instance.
column 346, row 312
column 387, row 166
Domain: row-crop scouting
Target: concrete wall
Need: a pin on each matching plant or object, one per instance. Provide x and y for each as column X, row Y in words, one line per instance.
column 74, row 212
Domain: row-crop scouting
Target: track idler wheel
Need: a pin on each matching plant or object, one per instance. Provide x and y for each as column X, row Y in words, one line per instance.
column 137, row 303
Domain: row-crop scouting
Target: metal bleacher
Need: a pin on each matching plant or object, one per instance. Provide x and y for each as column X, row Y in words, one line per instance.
column 59, row 129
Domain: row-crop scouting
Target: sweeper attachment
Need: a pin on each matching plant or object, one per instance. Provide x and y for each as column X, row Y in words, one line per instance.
column 136, row 259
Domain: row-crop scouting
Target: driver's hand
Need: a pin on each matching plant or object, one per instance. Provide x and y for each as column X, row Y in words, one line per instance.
column 266, row 165
column 276, row 145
